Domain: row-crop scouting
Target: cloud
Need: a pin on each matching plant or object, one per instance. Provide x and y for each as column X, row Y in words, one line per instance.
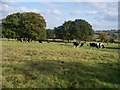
column 58, row 18
column 103, row 25
column 106, row 11
column 7, row 8
column 76, row 12
column 52, row 12
column 25, row 9
column 91, row 12
column 53, row 5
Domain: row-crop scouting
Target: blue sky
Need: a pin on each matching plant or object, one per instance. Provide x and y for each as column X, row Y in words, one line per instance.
column 101, row 15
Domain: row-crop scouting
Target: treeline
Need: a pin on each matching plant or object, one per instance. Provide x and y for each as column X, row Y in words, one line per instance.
column 107, row 36
column 69, row 30
column 32, row 26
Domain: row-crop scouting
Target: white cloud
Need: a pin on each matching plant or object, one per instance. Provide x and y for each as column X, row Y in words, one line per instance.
column 8, row 8
column 91, row 12
column 106, row 11
column 58, row 18
column 57, row 12
column 53, row 12
column 76, row 12
column 53, row 5
column 25, row 9
column 5, row 9
column 100, row 25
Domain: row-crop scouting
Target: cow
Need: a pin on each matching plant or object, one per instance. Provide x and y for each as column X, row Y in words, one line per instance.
column 75, row 44
column 94, row 45
column 40, row 41
column 101, row 45
column 81, row 44
column 97, row 45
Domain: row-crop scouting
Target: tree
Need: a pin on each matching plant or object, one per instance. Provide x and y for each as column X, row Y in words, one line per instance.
column 49, row 34
column 59, row 32
column 78, row 29
column 103, row 36
column 67, row 30
column 24, row 25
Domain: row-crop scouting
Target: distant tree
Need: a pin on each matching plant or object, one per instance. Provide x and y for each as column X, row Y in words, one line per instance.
column 59, row 34
column 111, row 40
column 78, row 29
column 114, row 36
column 103, row 36
column 50, row 34
column 24, row 25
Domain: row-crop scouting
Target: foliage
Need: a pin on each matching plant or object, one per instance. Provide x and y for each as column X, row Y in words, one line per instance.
column 103, row 36
column 78, row 29
column 24, row 25
column 59, row 33
column 49, row 34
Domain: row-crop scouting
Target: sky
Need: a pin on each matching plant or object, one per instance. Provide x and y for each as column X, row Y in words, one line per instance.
column 101, row 15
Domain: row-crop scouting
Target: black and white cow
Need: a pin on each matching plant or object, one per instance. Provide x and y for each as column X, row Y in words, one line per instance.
column 94, row 45
column 100, row 45
column 75, row 44
column 81, row 44
column 40, row 41
column 97, row 45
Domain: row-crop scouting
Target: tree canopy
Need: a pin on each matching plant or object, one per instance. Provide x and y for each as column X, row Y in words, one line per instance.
column 78, row 29
column 27, row 25
column 103, row 36
column 49, row 34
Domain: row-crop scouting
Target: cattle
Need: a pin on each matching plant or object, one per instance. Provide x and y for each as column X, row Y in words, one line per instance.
column 40, row 41
column 81, row 44
column 94, row 45
column 75, row 44
column 97, row 45
column 101, row 45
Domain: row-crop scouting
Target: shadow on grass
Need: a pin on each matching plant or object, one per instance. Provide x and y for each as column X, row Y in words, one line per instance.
column 118, row 48
column 77, row 74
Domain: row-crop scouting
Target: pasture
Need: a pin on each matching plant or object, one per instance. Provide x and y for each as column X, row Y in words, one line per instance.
column 56, row 65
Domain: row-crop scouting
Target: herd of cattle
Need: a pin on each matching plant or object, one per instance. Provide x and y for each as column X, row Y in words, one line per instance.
column 96, row 45
column 76, row 44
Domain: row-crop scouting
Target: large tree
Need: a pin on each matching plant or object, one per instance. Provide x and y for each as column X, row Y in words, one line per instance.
column 28, row 25
column 78, row 29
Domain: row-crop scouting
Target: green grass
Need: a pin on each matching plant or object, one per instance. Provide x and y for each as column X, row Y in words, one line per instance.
column 56, row 65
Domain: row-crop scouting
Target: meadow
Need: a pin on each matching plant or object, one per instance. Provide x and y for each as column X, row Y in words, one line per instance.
column 56, row 65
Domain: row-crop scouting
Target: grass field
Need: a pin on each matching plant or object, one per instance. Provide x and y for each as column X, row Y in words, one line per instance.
column 56, row 65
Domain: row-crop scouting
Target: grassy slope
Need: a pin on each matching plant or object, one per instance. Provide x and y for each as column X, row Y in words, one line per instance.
column 57, row 65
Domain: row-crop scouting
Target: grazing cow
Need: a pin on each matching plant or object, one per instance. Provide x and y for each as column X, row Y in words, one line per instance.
column 20, row 39
column 75, row 44
column 40, row 41
column 81, row 44
column 94, row 45
column 101, row 45
column 97, row 45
